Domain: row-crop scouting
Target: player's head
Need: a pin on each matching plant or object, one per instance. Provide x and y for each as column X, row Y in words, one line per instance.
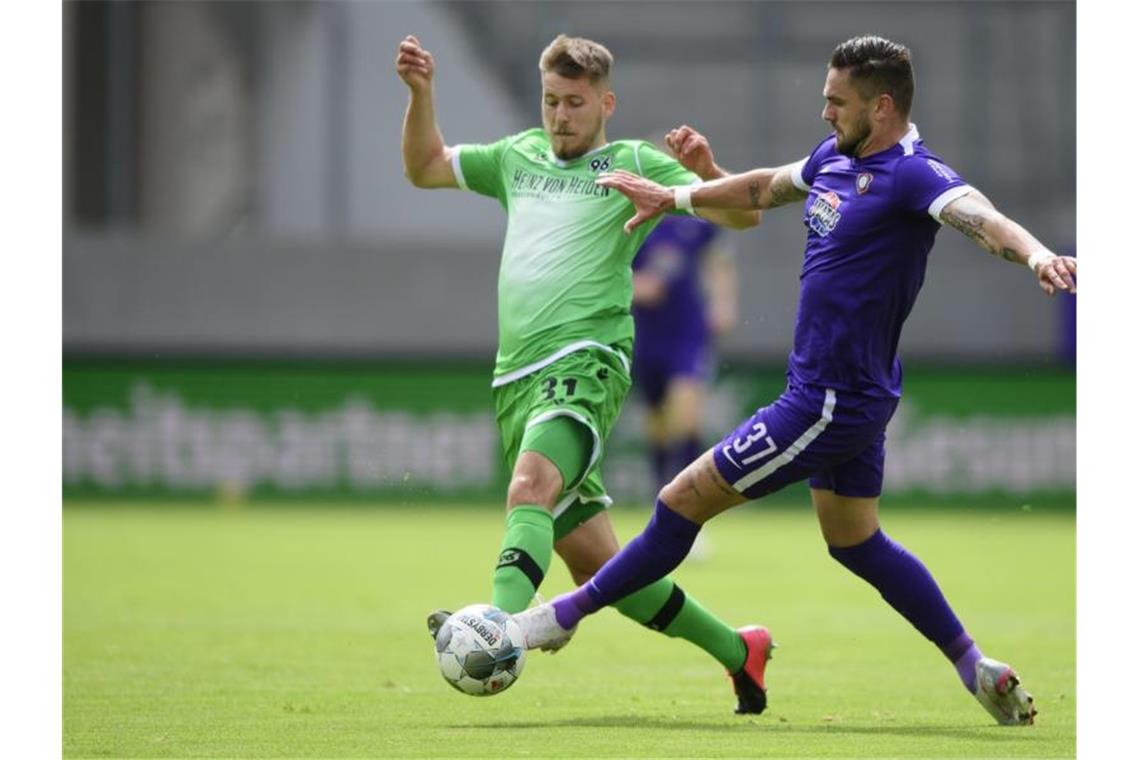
column 576, row 95
column 869, row 88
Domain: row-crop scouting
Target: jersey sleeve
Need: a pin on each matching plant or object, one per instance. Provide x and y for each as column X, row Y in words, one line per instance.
column 803, row 171
column 924, row 185
column 478, row 168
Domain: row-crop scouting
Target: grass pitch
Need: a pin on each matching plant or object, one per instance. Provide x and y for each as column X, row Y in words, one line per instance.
column 299, row 632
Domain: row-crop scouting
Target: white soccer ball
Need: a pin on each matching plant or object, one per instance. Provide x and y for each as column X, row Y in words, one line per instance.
column 480, row 650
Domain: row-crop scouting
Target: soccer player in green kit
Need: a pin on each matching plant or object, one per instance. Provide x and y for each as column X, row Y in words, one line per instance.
column 565, row 329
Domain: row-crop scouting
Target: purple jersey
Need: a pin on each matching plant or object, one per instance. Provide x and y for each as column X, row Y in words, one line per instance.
column 871, row 224
column 673, row 253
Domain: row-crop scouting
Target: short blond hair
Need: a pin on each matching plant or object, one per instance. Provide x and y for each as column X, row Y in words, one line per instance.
column 575, row 57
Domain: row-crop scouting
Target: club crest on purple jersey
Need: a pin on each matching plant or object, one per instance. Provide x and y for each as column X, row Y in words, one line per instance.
column 863, row 182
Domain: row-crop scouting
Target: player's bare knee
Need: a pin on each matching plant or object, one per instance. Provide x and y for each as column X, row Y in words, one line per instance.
column 532, row 489
column 845, row 521
column 844, row 535
column 535, row 480
column 699, row 492
column 677, row 491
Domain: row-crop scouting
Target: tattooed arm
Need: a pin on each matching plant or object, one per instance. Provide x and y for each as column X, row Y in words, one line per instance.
column 975, row 217
column 757, row 189
column 692, row 149
column 737, row 218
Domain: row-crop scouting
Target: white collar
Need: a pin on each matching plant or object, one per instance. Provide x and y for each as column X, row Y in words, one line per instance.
column 909, row 139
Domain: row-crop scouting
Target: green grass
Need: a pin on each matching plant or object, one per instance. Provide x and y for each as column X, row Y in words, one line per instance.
column 299, row 632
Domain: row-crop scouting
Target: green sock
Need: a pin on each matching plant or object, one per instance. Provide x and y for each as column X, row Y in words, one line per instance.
column 664, row 607
column 524, row 557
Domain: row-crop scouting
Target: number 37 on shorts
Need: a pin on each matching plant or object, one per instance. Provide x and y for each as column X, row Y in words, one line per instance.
column 808, row 433
column 753, row 447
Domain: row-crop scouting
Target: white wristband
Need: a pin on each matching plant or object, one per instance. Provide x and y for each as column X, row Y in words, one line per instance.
column 683, row 197
column 1037, row 257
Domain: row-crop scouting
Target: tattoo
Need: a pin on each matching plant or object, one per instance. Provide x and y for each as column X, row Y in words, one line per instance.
column 783, row 191
column 714, row 475
column 973, row 227
column 754, row 193
column 977, row 219
column 969, row 225
column 696, row 486
column 703, row 473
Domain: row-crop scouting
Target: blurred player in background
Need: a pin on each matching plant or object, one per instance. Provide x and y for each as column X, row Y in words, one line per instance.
column 684, row 299
column 565, row 330
column 873, row 200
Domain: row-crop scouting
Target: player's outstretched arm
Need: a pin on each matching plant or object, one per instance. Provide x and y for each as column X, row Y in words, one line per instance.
column 757, row 189
column 975, row 217
column 693, row 151
column 427, row 160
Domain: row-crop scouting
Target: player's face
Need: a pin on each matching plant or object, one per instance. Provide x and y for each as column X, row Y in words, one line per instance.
column 847, row 112
column 574, row 113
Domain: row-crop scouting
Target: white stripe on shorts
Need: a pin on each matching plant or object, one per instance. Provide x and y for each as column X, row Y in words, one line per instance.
column 573, row 496
column 595, row 453
column 792, row 451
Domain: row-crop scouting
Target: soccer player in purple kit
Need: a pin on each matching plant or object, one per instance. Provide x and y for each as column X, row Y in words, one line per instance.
column 684, row 297
column 874, row 199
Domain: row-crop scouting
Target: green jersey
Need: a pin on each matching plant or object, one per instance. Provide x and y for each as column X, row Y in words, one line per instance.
column 565, row 279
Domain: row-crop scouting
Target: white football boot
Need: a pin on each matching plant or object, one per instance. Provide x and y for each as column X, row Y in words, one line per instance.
column 541, row 629
column 999, row 690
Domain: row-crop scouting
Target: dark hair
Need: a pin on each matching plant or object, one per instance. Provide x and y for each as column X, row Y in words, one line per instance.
column 877, row 66
column 575, row 57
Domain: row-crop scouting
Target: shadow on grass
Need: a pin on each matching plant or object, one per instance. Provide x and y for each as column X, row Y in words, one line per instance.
column 990, row 733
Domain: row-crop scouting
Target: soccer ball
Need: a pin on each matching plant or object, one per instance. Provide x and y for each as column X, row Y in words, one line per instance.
column 480, row 650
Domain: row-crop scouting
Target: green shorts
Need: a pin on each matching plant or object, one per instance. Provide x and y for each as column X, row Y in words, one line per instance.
column 589, row 386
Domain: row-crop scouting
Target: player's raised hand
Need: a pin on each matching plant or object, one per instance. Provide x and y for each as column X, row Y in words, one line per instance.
column 1057, row 273
column 414, row 64
column 693, row 151
column 649, row 198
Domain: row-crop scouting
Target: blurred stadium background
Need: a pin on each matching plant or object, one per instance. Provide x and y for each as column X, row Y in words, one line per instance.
column 257, row 305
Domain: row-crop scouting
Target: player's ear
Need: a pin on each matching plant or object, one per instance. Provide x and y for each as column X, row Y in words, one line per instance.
column 884, row 106
column 609, row 103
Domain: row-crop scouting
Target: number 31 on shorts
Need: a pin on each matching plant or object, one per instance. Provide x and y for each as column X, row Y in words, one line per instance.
column 550, row 386
column 742, row 445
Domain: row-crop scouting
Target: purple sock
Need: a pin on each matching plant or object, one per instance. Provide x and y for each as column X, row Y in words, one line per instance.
column 571, row 607
column 655, row 553
column 964, row 654
column 906, row 584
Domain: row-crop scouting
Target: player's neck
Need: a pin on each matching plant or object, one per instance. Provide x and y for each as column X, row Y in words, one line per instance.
column 599, row 141
column 888, row 137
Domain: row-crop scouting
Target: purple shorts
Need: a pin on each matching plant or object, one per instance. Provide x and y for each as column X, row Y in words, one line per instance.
column 652, row 372
column 835, row 439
